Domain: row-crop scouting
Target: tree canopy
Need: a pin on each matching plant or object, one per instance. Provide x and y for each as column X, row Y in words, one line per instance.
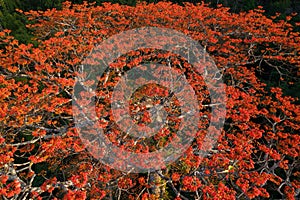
column 257, row 153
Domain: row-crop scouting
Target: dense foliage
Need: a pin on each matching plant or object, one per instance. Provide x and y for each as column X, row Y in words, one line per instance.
column 257, row 155
column 13, row 20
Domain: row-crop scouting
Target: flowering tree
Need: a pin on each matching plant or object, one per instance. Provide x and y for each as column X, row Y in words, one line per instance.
column 42, row 155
